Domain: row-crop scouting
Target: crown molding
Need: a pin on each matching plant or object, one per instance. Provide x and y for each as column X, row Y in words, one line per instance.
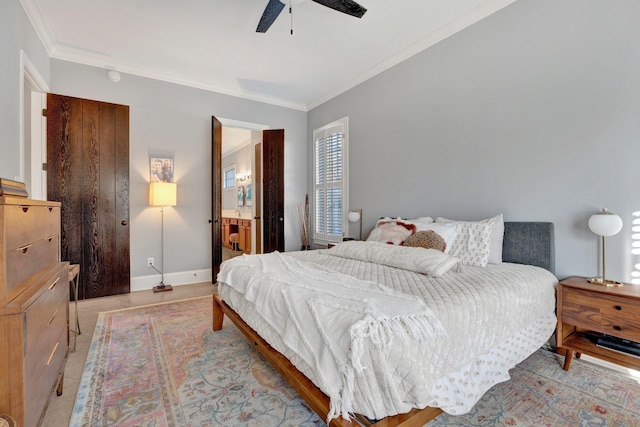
column 102, row 61
column 81, row 56
column 476, row 14
column 33, row 12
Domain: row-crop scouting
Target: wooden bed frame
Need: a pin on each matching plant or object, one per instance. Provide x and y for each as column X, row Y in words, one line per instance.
column 524, row 243
column 315, row 398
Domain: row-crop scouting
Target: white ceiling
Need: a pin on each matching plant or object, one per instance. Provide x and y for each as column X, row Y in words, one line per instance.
column 212, row 44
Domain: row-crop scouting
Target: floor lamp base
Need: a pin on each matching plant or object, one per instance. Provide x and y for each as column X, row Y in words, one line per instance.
column 162, row 288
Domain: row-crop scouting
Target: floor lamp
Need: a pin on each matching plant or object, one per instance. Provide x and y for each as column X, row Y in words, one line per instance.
column 162, row 194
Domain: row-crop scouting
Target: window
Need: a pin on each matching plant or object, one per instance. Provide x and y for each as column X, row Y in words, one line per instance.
column 330, row 180
column 229, row 177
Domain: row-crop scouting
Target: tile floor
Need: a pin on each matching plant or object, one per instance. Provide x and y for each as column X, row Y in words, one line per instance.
column 60, row 408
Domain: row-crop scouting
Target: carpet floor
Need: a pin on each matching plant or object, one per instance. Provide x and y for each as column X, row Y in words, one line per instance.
column 162, row 365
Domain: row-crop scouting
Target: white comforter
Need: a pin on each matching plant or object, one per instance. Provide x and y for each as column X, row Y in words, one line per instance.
column 401, row 376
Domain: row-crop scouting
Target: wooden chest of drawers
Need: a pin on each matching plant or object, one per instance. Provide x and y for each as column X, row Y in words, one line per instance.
column 34, row 307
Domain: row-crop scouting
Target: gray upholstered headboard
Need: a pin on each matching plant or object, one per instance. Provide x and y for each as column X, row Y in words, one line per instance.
column 529, row 243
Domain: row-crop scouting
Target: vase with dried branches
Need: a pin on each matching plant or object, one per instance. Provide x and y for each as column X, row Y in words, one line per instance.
column 303, row 216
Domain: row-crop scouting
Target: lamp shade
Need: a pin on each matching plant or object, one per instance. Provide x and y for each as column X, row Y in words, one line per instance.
column 353, row 216
column 605, row 223
column 163, row 193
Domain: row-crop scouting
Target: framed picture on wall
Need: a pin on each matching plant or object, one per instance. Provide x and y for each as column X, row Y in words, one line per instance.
column 248, row 200
column 240, row 195
column 161, row 169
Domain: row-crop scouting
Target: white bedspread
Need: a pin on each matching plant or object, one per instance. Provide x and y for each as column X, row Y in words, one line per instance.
column 477, row 311
column 426, row 261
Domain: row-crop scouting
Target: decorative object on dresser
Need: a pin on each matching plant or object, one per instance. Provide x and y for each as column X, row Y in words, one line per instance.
column 13, row 188
column 605, row 224
column 592, row 317
column 34, row 308
column 162, row 194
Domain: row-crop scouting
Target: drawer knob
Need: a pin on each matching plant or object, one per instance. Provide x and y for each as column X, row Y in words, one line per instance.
column 617, row 328
column 617, row 307
column 24, row 208
column 24, row 249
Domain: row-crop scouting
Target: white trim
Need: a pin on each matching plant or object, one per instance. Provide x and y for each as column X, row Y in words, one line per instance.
column 108, row 63
column 232, row 123
column 39, row 24
column 38, row 144
column 344, row 124
column 609, row 365
column 141, row 283
column 476, row 14
column 81, row 56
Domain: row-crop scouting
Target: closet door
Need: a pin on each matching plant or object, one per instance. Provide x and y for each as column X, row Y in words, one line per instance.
column 88, row 172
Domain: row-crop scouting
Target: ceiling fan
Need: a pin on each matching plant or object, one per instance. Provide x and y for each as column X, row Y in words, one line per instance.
column 274, row 7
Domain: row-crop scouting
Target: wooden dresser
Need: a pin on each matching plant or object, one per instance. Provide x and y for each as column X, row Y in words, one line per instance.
column 34, row 308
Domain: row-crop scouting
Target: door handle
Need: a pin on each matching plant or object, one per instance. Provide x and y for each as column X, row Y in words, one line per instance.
column 215, row 221
column 256, row 217
column 281, row 219
column 124, row 222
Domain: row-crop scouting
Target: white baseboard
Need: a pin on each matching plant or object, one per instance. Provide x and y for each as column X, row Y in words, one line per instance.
column 141, row 283
column 615, row 367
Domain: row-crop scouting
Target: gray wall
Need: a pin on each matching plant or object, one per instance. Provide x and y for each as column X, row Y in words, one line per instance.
column 533, row 112
column 16, row 33
column 176, row 120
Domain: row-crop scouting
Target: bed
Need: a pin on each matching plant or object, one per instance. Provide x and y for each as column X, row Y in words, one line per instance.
column 457, row 336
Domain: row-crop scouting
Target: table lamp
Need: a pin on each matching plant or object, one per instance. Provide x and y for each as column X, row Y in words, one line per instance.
column 356, row 216
column 604, row 224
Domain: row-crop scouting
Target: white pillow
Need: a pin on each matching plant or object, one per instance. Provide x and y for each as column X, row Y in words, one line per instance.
column 496, row 235
column 422, row 219
column 447, row 231
column 472, row 245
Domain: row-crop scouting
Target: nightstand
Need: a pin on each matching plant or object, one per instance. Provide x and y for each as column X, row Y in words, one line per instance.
column 587, row 311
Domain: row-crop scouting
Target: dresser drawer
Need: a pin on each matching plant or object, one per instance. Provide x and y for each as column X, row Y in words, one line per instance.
column 607, row 314
column 29, row 223
column 37, row 393
column 45, row 320
column 28, row 260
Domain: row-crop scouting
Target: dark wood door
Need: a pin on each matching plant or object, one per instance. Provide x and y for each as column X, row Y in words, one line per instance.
column 273, row 190
column 88, row 172
column 216, row 197
column 257, row 195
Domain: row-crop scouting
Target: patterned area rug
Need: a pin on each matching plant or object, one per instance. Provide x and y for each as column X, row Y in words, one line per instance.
column 162, row 365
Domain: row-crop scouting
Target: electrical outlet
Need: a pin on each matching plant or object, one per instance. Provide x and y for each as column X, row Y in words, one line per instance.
column 150, row 262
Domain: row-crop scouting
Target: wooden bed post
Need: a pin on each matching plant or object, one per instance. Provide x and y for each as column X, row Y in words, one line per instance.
column 218, row 314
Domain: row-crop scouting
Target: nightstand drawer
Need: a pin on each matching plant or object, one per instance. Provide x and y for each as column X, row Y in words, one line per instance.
column 603, row 313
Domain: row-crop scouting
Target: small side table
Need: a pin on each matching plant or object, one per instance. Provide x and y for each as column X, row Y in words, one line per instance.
column 586, row 311
column 74, row 276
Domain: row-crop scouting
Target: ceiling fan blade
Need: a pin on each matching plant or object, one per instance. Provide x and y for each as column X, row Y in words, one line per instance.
column 345, row 6
column 269, row 15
